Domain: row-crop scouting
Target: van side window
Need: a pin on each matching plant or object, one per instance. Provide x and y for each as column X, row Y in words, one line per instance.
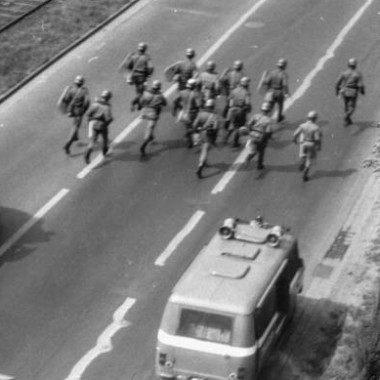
column 265, row 313
column 205, row 326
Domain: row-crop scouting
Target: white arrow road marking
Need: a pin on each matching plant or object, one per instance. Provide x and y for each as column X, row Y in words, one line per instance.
column 104, row 342
column 220, row 186
column 193, row 221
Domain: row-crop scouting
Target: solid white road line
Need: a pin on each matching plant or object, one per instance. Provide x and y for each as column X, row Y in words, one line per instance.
column 220, row 186
column 193, row 221
column 35, row 219
column 83, row 173
column 6, row 377
column 104, row 342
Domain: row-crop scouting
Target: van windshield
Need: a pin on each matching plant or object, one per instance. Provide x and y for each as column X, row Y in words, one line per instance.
column 205, row 326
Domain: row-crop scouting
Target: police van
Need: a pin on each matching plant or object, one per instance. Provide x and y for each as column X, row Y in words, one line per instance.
column 231, row 305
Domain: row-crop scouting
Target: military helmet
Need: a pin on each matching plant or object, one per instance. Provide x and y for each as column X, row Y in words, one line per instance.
column 210, row 65
column 265, row 107
column 245, row 81
column 142, row 46
column 352, row 63
column 238, row 65
column 312, row 115
column 190, row 53
column 106, row 94
column 210, row 103
column 156, row 85
column 281, row 63
column 191, row 83
column 79, row 79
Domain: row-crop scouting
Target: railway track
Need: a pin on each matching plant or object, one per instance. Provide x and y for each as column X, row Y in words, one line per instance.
column 13, row 11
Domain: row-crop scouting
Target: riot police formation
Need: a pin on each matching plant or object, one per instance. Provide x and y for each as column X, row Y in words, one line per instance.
column 195, row 107
column 348, row 86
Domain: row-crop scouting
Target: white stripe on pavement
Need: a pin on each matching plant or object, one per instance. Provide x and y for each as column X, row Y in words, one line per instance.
column 220, row 186
column 104, row 342
column 35, row 219
column 83, row 173
column 197, row 216
column 6, row 377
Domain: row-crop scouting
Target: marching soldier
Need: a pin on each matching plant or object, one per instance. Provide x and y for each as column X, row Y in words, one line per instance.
column 209, row 82
column 99, row 118
column 182, row 71
column 74, row 102
column 349, row 85
column 138, row 67
column 206, row 125
column 152, row 101
column 229, row 80
column 277, row 89
column 186, row 106
column 309, row 137
column 239, row 107
column 260, row 130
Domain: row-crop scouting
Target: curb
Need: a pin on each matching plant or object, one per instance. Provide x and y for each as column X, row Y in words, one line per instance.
column 63, row 52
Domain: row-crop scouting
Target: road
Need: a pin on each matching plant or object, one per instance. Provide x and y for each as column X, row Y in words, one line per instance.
column 94, row 247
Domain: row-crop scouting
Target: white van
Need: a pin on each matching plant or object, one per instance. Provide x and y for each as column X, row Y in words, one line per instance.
column 231, row 305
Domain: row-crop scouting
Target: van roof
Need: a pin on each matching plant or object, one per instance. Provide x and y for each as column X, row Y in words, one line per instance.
column 231, row 275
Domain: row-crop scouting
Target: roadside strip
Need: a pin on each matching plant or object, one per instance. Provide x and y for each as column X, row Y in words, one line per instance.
column 223, row 182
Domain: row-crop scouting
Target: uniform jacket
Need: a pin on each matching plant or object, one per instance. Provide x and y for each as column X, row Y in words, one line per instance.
column 140, row 64
column 230, row 79
column 209, row 83
column 77, row 100
column 260, row 127
column 240, row 97
column 350, row 83
column 100, row 111
column 277, row 80
column 185, row 70
column 187, row 100
column 207, row 124
column 308, row 132
column 152, row 102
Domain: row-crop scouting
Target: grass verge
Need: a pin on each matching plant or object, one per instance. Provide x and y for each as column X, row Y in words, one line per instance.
column 39, row 37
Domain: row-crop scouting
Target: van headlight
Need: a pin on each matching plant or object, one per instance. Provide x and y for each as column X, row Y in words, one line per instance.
column 169, row 364
column 232, row 376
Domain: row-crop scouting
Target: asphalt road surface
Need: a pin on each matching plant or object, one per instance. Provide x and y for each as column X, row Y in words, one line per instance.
column 80, row 245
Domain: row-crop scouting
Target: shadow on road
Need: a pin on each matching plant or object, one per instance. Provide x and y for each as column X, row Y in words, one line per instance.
column 359, row 127
column 11, row 221
column 332, row 173
column 308, row 346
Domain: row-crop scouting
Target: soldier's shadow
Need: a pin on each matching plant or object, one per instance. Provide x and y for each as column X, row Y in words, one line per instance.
column 359, row 127
column 216, row 169
column 332, row 173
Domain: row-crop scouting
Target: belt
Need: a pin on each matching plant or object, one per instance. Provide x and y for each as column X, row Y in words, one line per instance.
column 308, row 140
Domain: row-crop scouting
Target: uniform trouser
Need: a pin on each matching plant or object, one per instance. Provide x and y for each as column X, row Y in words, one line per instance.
column 149, row 132
column 237, row 117
column 256, row 147
column 74, row 133
column 204, row 152
column 94, row 138
column 139, row 81
column 308, row 154
column 277, row 97
column 349, row 106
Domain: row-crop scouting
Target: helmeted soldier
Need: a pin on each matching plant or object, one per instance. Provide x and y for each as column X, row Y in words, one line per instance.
column 186, row 105
column 277, row 89
column 259, row 129
column 99, row 118
column 182, row 71
column 209, row 82
column 138, row 66
column 309, row 137
column 229, row 80
column 349, row 85
column 74, row 102
column 239, row 107
column 152, row 101
column 206, row 125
